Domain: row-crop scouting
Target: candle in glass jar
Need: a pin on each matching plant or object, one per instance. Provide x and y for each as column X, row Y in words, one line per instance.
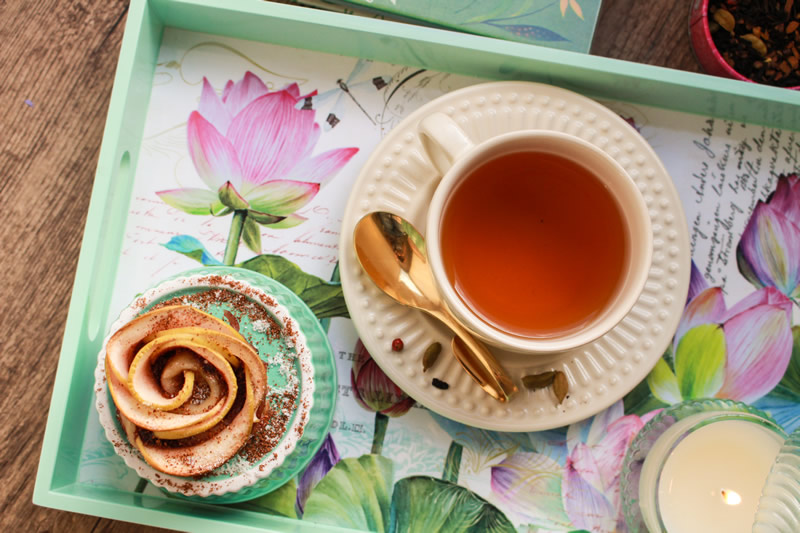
column 712, row 479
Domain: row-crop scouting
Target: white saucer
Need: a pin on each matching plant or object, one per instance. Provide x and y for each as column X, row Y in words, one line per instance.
column 399, row 179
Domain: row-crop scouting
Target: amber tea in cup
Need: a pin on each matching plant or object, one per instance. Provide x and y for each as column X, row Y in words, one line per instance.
column 533, row 243
column 538, row 240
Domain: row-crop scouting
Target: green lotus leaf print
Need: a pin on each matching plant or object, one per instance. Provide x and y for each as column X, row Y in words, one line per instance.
column 278, row 502
column 422, row 503
column 325, row 298
column 356, row 494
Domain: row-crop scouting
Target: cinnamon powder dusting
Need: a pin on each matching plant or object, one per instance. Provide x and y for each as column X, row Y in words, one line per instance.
column 279, row 405
column 267, row 432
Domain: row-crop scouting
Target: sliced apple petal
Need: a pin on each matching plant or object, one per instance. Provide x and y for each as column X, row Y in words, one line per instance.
column 144, row 386
column 129, row 428
column 123, row 344
column 232, row 348
column 150, row 418
column 173, row 375
column 203, row 457
column 188, row 431
column 197, row 335
column 216, row 390
column 200, row 427
column 245, row 353
column 149, row 390
column 254, row 370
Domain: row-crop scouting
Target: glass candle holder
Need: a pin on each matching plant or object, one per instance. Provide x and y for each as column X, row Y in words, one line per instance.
column 779, row 507
column 699, row 466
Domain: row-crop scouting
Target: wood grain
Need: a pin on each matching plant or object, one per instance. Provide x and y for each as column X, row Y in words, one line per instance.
column 56, row 70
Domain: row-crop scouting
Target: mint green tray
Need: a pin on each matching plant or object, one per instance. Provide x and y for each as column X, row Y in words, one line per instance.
column 57, row 483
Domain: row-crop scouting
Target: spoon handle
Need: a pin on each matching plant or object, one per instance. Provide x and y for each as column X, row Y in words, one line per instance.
column 478, row 361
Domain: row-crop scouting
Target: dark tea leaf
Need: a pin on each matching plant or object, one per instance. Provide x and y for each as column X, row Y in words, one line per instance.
column 758, row 39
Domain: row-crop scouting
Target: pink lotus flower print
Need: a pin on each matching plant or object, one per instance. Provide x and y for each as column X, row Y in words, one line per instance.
column 578, row 492
column 769, row 250
column 253, row 150
column 528, row 485
column 596, row 449
column 739, row 353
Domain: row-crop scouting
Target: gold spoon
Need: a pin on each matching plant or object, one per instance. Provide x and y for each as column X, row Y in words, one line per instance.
column 392, row 253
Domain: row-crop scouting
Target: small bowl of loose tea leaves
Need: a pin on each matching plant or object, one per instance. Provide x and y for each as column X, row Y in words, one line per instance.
column 749, row 40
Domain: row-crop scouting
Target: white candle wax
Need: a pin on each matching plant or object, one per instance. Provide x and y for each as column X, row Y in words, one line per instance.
column 712, row 479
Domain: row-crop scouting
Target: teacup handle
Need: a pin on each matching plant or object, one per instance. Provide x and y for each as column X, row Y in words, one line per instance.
column 443, row 140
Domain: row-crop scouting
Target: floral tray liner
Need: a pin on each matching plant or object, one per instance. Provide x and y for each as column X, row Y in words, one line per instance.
column 279, row 133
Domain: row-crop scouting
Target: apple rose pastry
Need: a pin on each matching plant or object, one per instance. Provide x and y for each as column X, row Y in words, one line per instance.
column 187, row 387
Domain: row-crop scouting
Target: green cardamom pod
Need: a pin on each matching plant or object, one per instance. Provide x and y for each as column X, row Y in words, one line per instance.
column 560, row 386
column 539, row 381
column 431, row 355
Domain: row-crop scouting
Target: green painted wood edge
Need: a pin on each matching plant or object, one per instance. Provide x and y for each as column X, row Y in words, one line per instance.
column 489, row 58
column 175, row 514
column 123, row 128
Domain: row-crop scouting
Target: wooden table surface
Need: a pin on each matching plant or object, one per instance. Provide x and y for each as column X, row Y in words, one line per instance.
column 57, row 64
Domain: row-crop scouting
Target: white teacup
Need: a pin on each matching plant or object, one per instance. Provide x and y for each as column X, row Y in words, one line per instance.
column 457, row 157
